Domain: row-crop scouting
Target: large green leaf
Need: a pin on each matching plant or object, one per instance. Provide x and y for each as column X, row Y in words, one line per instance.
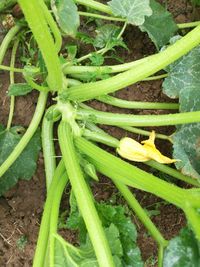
column 187, row 137
column 183, row 74
column 134, row 11
column 160, row 26
column 25, row 166
column 183, row 251
column 183, row 82
column 67, row 16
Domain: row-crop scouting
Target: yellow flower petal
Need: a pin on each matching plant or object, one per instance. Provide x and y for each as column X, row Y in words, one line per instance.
column 132, row 150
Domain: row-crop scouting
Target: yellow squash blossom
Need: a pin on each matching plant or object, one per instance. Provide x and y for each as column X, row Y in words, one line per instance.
column 132, row 150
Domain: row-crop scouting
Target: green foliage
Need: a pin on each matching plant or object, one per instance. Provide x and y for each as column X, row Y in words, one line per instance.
column 134, row 11
column 155, row 25
column 183, row 251
column 25, row 166
column 183, row 82
column 96, row 59
column 183, row 74
column 18, row 89
column 108, row 36
column 120, row 231
column 67, row 16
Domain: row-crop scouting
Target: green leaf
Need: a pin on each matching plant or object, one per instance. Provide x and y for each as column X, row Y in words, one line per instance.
column 128, row 233
column 120, row 231
column 67, row 16
column 107, row 36
column 71, row 51
column 155, row 25
column 96, row 59
column 183, row 74
column 182, row 251
column 25, row 166
column 67, row 255
column 18, row 89
column 134, row 11
column 85, row 38
column 183, row 82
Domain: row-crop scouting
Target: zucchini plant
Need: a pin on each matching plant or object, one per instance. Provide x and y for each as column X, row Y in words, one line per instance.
column 107, row 236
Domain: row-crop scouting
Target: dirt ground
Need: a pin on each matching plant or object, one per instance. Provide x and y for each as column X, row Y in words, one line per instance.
column 21, row 208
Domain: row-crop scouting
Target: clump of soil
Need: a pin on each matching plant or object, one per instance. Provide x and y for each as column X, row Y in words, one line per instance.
column 21, row 208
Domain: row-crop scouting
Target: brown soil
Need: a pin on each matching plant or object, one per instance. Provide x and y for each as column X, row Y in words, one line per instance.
column 21, row 208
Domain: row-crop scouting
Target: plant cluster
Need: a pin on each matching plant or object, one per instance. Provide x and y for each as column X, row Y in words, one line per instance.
column 52, row 66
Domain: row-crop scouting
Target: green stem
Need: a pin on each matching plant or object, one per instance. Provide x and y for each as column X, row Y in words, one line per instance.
column 138, row 120
column 54, row 217
column 188, row 25
column 104, row 69
column 105, row 138
column 146, row 133
column 36, row 19
column 95, row 5
column 12, row 81
column 2, row 67
column 156, row 77
column 172, row 172
column 122, row 31
column 98, row 135
column 157, row 62
column 123, row 172
column 98, row 16
column 27, row 136
column 84, row 197
column 53, row 26
column 141, row 214
column 7, row 40
column 135, row 104
column 42, row 241
column 48, row 149
column 101, row 51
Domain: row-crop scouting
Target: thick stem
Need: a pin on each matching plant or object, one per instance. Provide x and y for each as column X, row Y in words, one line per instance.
column 157, row 62
column 84, row 197
column 135, row 104
column 116, row 119
column 12, row 81
column 28, row 134
column 104, row 69
column 54, row 217
column 42, row 241
column 53, row 26
column 98, row 135
column 123, row 172
column 36, row 19
column 48, row 150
